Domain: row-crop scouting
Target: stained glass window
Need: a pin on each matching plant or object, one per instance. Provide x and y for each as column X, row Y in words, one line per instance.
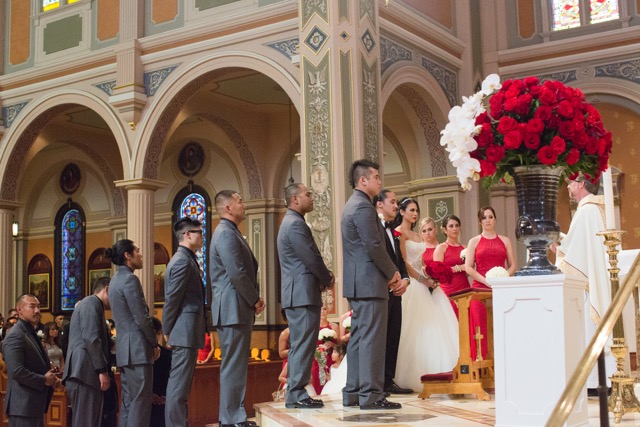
column 604, row 10
column 50, row 4
column 71, row 260
column 566, row 14
column 572, row 13
column 195, row 206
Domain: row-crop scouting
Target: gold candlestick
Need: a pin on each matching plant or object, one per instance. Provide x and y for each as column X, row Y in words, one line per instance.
column 623, row 398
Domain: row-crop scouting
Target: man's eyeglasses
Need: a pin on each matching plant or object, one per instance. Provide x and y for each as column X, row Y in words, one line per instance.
column 193, row 231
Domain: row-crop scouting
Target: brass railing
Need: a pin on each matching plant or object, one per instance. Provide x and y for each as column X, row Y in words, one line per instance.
column 576, row 383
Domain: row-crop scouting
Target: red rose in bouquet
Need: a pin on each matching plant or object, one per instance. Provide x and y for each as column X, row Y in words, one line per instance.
column 439, row 271
column 525, row 122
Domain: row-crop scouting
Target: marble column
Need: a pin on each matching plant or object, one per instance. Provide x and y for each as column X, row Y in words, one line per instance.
column 7, row 285
column 341, row 113
column 140, row 226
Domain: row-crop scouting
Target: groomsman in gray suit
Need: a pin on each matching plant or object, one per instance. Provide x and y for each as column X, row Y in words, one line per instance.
column 136, row 343
column 235, row 303
column 86, row 369
column 368, row 275
column 31, row 378
column 304, row 277
column 183, row 316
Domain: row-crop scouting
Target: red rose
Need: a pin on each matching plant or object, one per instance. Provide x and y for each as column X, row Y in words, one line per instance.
column 573, row 156
column 513, row 140
column 487, row 168
column 531, row 81
column 565, row 109
column 580, row 140
column 531, row 140
column 558, row 145
column 547, row 97
column 535, row 126
column 547, row 156
column 506, row 125
column 486, row 135
column 543, row 113
column 439, row 271
column 483, row 118
column 592, row 146
column 494, row 153
column 553, row 122
column 510, row 104
column 535, row 91
column 524, row 103
column 495, row 105
column 396, row 233
column 567, row 129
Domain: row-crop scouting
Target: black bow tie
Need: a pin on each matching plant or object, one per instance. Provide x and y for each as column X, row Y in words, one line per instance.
column 387, row 224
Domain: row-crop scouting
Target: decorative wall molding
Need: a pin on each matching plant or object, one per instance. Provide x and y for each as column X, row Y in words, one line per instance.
column 370, row 92
column 446, row 78
column 437, row 155
column 316, row 39
column 11, row 112
column 106, row 87
column 625, row 70
column 154, row 79
column 288, row 47
column 117, row 195
column 311, row 7
column 392, row 52
column 367, row 9
column 367, row 41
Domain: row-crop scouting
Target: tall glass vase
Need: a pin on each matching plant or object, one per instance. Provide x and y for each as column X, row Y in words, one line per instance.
column 537, row 228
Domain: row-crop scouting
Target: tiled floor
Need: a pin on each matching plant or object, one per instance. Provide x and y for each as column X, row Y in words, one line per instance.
column 441, row 411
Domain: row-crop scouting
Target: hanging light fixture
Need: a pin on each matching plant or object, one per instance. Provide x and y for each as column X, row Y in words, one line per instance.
column 14, row 229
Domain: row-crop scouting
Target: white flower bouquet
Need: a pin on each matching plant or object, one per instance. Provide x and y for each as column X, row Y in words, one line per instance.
column 497, row 272
column 327, row 334
column 346, row 324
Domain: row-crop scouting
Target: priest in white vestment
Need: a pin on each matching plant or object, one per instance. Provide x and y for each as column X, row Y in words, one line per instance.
column 582, row 253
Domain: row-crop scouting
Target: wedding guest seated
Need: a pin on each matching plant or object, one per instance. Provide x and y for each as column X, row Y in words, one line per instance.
column 10, row 322
column 161, row 370
column 205, row 355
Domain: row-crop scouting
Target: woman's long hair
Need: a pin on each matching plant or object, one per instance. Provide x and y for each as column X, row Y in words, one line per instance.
column 403, row 204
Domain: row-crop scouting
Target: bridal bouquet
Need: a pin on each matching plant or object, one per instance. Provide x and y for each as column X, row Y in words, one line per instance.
column 497, row 272
column 327, row 335
column 346, row 324
column 522, row 122
column 439, row 271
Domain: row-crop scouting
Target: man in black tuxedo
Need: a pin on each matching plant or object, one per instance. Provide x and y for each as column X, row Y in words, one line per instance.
column 387, row 205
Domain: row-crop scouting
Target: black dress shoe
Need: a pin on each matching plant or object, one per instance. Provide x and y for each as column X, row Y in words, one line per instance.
column 394, row 388
column 386, row 394
column 349, row 405
column 307, row 403
column 382, row 404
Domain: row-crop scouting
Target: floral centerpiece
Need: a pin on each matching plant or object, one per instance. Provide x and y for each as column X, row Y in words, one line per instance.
column 536, row 133
column 523, row 122
column 439, row 272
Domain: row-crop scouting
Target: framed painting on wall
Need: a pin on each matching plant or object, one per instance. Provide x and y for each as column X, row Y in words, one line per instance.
column 96, row 274
column 158, row 283
column 40, row 286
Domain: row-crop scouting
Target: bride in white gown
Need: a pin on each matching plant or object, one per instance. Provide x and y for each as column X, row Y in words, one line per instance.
column 429, row 335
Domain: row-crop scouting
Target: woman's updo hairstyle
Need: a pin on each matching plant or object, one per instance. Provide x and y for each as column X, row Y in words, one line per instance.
column 448, row 218
column 403, row 204
column 116, row 252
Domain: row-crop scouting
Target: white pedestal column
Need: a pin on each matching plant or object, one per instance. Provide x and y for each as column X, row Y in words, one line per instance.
column 538, row 325
column 7, row 286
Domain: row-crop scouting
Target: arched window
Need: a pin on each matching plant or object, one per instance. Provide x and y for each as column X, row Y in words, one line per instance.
column 70, row 255
column 575, row 13
column 193, row 201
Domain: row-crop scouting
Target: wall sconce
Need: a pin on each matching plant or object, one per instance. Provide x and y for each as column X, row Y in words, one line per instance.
column 14, row 229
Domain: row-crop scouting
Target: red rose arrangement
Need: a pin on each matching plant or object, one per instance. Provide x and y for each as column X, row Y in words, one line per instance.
column 525, row 123
column 439, row 271
column 396, row 233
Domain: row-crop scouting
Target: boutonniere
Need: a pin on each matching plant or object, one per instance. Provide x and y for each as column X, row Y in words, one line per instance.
column 396, row 234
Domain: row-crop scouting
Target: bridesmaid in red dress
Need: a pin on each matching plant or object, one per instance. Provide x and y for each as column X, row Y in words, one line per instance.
column 484, row 252
column 449, row 253
column 429, row 235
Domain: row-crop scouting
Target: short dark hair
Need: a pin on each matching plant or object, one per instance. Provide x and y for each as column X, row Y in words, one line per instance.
column 360, row 168
column 23, row 297
column 116, row 252
column 381, row 197
column 290, row 191
column 183, row 224
column 99, row 284
column 591, row 187
column 446, row 219
column 486, row 208
column 222, row 197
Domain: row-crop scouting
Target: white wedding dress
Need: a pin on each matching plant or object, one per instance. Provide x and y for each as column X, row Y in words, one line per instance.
column 429, row 336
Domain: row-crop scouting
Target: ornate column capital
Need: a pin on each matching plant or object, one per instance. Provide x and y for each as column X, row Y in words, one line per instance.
column 140, row 184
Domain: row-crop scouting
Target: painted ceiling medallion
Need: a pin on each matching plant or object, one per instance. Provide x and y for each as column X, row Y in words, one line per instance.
column 191, row 159
column 70, row 179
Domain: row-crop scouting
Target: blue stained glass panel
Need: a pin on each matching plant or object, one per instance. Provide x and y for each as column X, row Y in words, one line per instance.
column 194, row 206
column 72, row 290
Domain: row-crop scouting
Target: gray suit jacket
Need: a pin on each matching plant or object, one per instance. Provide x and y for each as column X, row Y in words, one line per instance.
column 136, row 337
column 27, row 362
column 302, row 267
column 183, row 313
column 88, row 351
column 234, row 277
column 367, row 266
